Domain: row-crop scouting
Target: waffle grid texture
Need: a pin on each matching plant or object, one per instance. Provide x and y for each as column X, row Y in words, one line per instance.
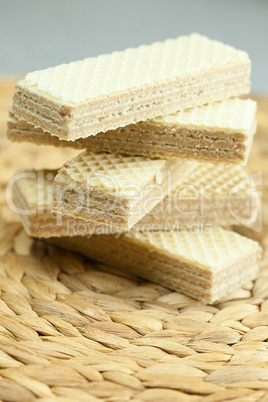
column 115, row 190
column 94, row 78
column 230, row 115
column 216, row 180
column 215, row 251
column 95, row 95
column 216, row 194
column 110, row 171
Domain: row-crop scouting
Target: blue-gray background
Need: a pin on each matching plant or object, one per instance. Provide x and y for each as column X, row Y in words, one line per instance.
column 35, row 34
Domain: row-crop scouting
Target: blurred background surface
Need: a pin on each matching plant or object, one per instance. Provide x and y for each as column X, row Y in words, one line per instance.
column 36, row 34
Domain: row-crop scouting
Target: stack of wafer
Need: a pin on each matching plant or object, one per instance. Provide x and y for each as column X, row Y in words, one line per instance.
column 165, row 138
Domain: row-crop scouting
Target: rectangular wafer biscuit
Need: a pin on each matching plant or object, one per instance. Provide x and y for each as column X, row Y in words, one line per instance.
column 217, row 132
column 204, row 266
column 113, row 189
column 32, row 200
column 212, row 194
column 98, row 94
column 211, row 205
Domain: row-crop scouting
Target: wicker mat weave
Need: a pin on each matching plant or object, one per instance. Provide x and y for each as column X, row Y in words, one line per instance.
column 74, row 330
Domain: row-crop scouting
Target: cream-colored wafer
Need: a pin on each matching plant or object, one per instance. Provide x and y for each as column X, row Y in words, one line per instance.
column 32, row 199
column 98, row 94
column 214, row 194
column 204, row 266
column 116, row 190
column 221, row 131
column 206, row 197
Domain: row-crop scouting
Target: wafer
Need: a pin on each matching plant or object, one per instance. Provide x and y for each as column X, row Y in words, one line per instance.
column 211, row 185
column 214, row 194
column 98, row 94
column 221, row 131
column 204, row 266
column 32, row 200
column 116, row 190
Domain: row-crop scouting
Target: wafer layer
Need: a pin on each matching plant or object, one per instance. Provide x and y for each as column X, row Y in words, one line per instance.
column 214, row 194
column 95, row 95
column 32, row 200
column 221, row 131
column 114, row 189
column 216, row 201
column 204, row 266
